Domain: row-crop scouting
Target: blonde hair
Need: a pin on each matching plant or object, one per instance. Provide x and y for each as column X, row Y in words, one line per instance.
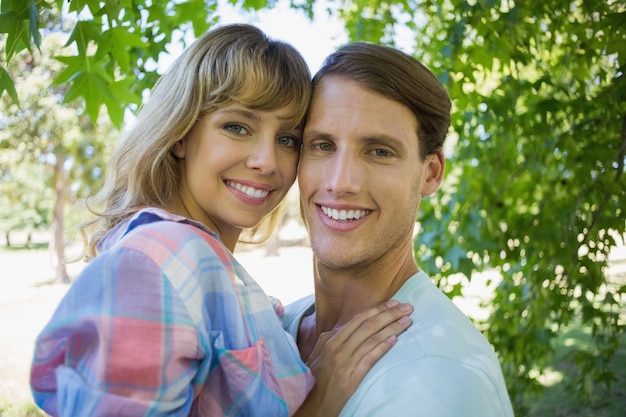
column 230, row 63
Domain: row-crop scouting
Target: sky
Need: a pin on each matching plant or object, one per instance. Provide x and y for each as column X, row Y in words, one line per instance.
column 315, row 40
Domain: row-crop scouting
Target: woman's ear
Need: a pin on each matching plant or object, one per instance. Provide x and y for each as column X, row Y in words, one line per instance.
column 434, row 166
column 178, row 150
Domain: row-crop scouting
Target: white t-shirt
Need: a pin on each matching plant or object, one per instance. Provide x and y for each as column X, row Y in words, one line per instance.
column 441, row 366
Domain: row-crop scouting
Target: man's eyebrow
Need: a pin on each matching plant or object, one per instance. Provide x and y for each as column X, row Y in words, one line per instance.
column 384, row 140
column 317, row 134
column 374, row 139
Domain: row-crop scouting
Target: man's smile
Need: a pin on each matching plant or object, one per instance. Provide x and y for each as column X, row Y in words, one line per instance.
column 344, row 215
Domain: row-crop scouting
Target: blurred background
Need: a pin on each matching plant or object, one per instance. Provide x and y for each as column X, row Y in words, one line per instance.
column 526, row 234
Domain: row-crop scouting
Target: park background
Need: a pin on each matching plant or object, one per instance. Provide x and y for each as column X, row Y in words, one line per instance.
column 526, row 233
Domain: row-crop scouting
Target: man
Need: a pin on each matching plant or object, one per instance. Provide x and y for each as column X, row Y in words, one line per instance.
column 372, row 148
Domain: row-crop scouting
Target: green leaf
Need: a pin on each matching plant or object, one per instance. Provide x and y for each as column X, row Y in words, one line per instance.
column 6, row 84
column 466, row 267
column 19, row 7
column 117, row 42
column 454, row 255
column 197, row 12
column 34, row 24
column 79, row 5
column 7, row 20
column 119, row 99
column 17, row 38
column 116, row 112
column 73, row 65
column 253, row 4
column 122, row 91
column 91, row 86
column 84, row 32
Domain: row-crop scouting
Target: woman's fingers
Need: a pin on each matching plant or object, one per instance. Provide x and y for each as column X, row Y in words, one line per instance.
column 342, row 357
column 372, row 327
column 375, row 347
column 319, row 346
column 355, row 347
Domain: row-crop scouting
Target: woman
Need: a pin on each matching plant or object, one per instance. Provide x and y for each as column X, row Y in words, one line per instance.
column 164, row 320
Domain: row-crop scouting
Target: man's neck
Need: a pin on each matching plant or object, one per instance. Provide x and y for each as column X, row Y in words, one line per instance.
column 341, row 293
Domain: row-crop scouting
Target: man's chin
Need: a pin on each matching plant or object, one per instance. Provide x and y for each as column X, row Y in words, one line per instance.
column 333, row 257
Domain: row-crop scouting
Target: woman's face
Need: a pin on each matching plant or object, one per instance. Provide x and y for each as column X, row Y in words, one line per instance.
column 236, row 165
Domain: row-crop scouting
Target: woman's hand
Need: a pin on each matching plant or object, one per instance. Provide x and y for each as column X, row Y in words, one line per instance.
column 341, row 358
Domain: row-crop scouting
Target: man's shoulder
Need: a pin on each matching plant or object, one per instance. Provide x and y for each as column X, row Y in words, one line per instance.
column 429, row 385
column 431, row 381
column 295, row 311
column 441, row 330
column 440, row 354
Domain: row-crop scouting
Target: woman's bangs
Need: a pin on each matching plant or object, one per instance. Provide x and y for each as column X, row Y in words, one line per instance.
column 274, row 92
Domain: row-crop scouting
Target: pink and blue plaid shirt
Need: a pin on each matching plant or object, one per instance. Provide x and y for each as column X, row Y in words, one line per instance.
column 165, row 322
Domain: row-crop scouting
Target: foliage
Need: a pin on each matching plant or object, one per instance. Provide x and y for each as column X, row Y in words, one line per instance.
column 25, row 200
column 117, row 46
column 51, row 154
column 535, row 179
column 535, row 186
column 557, row 399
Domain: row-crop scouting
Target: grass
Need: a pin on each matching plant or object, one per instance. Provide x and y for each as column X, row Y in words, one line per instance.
column 560, row 398
column 27, row 409
column 25, row 247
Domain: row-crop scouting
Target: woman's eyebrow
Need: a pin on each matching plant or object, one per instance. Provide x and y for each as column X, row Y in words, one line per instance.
column 249, row 114
column 242, row 112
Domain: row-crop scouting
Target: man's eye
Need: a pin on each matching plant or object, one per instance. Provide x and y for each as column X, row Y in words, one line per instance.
column 325, row 146
column 382, row 153
column 236, row 129
column 289, row 141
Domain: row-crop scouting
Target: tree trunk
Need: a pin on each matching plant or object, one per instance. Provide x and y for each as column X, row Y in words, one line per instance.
column 58, row 220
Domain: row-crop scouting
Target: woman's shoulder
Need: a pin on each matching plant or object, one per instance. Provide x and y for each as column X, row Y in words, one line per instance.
column 151, row 221
column 156, row 229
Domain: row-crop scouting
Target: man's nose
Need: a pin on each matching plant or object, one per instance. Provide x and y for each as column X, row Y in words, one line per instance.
column 343, row 174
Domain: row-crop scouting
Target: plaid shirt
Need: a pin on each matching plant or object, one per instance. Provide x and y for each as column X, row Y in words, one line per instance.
column 165, row 322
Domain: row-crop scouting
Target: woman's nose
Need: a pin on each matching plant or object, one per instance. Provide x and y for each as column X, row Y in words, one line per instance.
column 262, row 157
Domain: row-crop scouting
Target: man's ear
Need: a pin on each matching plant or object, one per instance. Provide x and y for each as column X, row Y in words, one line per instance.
column 178, row 150
column 434, row 166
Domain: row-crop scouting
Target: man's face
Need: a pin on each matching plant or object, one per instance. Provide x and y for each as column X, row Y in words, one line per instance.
column 361, row 176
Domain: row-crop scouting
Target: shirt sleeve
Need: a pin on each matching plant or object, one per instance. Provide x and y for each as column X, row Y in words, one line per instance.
column 120, row 343
column 431, row 386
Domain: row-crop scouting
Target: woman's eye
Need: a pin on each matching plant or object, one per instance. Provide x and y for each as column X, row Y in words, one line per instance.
column 289, row 141
column 235, row 129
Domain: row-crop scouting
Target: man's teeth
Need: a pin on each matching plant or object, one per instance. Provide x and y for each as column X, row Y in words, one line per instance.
column 249, row 191
column 343, row 215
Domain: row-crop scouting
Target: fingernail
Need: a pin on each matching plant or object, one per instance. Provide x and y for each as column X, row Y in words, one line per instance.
column 392, row 303
column 391, row 340
column 405, row 307
column 404, row 319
